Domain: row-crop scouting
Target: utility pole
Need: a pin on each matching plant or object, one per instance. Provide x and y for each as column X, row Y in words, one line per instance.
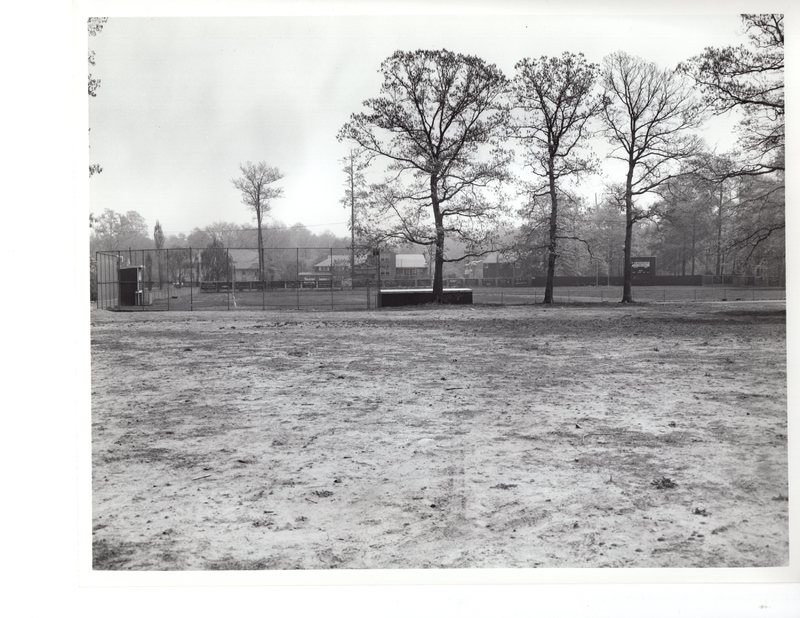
column 352, row 218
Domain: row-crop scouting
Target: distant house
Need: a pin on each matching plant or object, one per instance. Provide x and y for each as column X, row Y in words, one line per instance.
column 340, row 270
column 244, row 264
column 393, row 266
column 341, row 263
column 403, row 266
column 410, row 266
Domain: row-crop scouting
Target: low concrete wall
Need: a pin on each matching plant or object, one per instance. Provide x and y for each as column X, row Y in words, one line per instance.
column 401, row 298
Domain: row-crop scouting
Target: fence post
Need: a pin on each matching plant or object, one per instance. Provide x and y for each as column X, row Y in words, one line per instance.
column 106, row 275
column 109, row 286
column 191, row 281
column 331, row 249
column 97, row 278
column 297, row 274
column 665, row 295
column 169, row 291
column 376, row 255
column 145, row 274
column 116, row 278
column 263, row 280
column 228, row 275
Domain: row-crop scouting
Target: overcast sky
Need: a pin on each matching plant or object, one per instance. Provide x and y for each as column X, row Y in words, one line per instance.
column 184, row 100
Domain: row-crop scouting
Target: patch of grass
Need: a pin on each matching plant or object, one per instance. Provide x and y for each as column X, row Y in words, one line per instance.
column 664, row 483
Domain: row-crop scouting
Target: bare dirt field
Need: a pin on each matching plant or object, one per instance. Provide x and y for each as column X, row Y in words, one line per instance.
column 570, row 436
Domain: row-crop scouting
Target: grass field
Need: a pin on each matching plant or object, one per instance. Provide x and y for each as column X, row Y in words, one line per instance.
column 604, row 435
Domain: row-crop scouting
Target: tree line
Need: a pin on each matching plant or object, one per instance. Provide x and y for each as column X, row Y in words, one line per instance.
column 114, row 231
column 452, row 154
column 447, row 129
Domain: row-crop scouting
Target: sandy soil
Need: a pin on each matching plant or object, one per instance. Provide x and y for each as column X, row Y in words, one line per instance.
column 604, row 436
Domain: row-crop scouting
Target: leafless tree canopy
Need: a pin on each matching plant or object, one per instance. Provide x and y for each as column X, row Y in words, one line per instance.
column 255, row 184
column 749, row 77
column 648, row 115
column 436, row 123
column 553, row 102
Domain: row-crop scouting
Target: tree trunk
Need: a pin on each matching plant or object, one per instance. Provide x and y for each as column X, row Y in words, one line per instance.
column 551, row 246
column 627, row 292
column 694, row 239
column 352, row 220
column 438, row 264
column 718, row 269
column 683, row 257
column 260, row 248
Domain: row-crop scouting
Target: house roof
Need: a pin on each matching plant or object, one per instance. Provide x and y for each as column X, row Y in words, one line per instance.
column 337, row 260
column 410, row 260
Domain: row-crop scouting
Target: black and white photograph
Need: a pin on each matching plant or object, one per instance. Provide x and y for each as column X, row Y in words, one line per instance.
column 453, row 292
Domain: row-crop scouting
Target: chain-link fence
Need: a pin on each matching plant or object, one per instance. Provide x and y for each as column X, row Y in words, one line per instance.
column 525, row 295
column 221, row 278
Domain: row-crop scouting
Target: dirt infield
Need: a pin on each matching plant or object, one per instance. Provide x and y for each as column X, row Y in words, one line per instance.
column 618, row 436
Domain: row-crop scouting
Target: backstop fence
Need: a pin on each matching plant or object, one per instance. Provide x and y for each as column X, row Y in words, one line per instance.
column 220, row 278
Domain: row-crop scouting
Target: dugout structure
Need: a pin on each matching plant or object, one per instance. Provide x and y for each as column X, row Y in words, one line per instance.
column 131, row 290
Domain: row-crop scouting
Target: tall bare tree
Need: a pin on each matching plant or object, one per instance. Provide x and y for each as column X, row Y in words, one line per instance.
column 553, row 103
column 255, row 184
column 437, row 124
column 648, row 115
column 158, row 241
column 355, row 195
